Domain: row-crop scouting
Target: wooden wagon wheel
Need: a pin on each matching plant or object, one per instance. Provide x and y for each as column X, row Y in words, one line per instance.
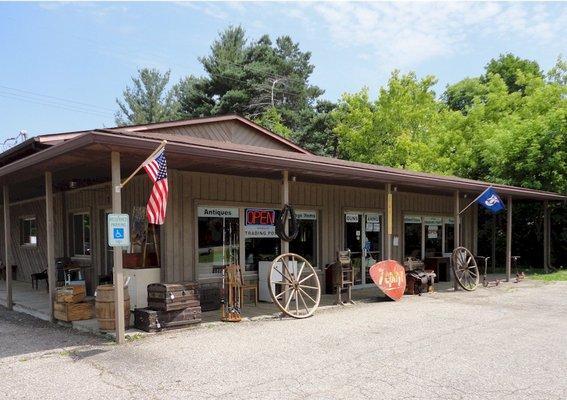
column 294, row 285
column 465, row 268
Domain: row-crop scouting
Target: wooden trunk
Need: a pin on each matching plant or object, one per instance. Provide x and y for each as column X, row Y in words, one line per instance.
column 173, row 296
column 71, row 294
column 104, row 307
column 73, row 311
column 153, row 321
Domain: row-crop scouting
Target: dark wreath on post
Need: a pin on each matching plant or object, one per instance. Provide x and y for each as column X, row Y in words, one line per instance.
column 288, row 213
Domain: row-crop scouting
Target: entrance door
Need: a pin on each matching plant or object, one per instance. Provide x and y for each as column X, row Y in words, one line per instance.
column 363, row 237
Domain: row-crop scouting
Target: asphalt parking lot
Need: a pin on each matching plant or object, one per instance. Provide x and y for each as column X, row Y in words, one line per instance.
column 508, row 342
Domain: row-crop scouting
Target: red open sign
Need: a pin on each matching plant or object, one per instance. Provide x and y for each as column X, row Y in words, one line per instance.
column 260, row 217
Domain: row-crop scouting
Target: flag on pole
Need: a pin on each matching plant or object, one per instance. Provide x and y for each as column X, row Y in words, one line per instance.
column 490, row 200
column 156, row 167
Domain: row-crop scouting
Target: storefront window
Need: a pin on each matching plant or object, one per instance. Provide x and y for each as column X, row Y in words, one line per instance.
column 433, row 236
column 218, row 236
column 261, row 242
column 412, row 236
column 305, row 244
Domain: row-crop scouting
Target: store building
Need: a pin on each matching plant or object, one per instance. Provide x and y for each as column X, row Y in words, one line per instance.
column 228, row 178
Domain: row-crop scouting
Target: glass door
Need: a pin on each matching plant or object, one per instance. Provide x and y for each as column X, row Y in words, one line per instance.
column 363, row 237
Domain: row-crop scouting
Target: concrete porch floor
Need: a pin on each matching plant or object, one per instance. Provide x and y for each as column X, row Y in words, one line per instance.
column 35, row 303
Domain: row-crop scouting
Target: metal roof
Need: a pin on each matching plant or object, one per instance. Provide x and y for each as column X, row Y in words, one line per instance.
column 189, row 153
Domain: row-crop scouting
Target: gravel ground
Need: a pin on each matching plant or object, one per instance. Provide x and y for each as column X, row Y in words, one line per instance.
column 500, row 343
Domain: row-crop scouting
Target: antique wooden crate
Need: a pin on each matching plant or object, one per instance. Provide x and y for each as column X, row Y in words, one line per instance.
column 71, row 294
column 73, row 311
column 173, row 296
column 153, row 320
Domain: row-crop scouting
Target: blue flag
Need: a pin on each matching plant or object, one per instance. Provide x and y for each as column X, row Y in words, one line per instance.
column 490, row 200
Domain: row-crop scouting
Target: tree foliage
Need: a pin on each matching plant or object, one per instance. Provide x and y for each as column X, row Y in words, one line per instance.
column 148, row 100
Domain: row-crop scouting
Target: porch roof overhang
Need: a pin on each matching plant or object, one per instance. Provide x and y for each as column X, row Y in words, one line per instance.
column 87, row 157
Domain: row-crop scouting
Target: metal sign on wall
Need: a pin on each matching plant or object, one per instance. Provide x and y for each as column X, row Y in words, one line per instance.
column 118, row 230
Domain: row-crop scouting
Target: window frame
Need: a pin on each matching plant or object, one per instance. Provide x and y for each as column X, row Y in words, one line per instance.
column 72, row 246
column 22, row 221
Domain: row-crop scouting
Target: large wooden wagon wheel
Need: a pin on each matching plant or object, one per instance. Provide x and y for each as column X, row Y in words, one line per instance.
column 294, row 285
column 465, row 268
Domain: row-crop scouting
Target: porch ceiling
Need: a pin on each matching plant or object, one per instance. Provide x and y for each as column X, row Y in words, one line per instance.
column 86, row 159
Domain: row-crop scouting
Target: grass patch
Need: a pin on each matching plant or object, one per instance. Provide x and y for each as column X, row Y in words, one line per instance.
column 560, row 275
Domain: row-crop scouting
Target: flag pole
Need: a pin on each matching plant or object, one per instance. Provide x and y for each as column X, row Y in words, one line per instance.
column 472, row 202
column 161, row 146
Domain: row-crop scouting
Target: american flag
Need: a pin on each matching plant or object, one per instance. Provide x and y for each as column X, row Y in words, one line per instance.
column 156, row 167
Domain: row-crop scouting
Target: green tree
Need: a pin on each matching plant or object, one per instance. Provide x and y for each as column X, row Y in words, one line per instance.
column 252, row 78
column 510, row 68
column 395, row 129
column 148, row 100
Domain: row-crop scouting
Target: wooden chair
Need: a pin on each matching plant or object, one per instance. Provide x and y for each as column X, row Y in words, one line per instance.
column 235, row 275
column 35, row 278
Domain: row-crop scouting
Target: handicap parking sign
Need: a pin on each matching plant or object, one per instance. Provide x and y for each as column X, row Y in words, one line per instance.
column 118, row 230
column 118, row 233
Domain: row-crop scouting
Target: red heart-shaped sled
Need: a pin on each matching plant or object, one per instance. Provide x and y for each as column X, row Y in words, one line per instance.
column 390, row 277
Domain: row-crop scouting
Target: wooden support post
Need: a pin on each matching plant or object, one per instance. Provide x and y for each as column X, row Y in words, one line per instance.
column 493, row 248
column 118, row 274
column 389, row 219
column 509, row 240
column 50, row 241
column 546, row 237
column 285, row 200
column 7, row 255
column 475, row 229
column 457, row 228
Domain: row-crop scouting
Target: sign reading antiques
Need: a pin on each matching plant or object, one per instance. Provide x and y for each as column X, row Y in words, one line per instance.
column 219, row 212
column 118, row 230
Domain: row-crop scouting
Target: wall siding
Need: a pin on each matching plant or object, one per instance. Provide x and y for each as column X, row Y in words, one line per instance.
column 188, row 189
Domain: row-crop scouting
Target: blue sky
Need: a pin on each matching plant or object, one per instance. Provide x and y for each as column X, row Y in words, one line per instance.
column 83, row 54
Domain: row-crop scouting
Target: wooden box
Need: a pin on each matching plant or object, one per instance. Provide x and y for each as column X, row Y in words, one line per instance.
column 154, row 321
column 73, row 311
column 173, row 296
column 132, row 260
column 71, row 294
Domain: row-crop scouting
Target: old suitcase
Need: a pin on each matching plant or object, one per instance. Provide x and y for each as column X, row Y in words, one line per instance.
column 153, row 320
column 173, row 296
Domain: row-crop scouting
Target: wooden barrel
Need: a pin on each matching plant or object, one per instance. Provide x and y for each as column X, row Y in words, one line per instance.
column 104, row 307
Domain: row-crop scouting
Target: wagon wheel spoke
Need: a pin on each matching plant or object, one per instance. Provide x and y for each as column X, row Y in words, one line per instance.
column 296, row 303
column 284, row 292
column 282, row 274
column 288, row 301
column 304, row 279
column 300, row 270
column 303, row 301
column 308, row 287
column 307, row 294
column 285, row 265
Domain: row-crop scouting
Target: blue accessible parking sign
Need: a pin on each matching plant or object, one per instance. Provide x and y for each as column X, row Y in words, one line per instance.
column 118, row 230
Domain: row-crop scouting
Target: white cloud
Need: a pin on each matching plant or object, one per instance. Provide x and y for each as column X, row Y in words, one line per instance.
column 406, row 34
